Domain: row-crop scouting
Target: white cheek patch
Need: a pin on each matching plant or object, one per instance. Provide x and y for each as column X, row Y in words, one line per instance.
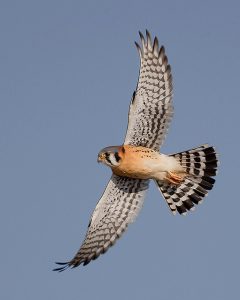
column 113, row 160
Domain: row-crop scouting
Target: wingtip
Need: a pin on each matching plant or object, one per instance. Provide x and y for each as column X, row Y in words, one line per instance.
column 148, row 35
column 156, row 46
column 65, row 265
column 138, row 48
column 140, row 34
column 142, row 38
column 155, row 43
column 61, row 263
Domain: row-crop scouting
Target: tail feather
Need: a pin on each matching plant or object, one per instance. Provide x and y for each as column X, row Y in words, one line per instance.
column 200, row 164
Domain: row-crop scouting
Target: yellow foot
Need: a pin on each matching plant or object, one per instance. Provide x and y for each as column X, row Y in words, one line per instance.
column 174, row 178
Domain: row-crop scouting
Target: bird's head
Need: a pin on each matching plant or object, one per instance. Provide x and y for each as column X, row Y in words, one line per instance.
column 111, row 156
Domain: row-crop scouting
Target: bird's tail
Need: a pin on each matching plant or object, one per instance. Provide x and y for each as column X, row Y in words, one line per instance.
column 200, row 164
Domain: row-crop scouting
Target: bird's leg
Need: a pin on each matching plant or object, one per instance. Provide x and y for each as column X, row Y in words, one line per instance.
column 174, row 178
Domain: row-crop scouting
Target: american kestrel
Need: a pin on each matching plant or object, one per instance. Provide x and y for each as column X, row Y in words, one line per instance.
column 183, row 178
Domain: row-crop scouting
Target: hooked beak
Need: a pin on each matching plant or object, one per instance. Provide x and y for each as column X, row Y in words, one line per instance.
column 100, row 158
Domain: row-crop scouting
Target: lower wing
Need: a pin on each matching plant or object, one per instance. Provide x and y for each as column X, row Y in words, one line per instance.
column 118, row 206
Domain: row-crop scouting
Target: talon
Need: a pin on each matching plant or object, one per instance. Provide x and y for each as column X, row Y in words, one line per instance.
column 174, row 178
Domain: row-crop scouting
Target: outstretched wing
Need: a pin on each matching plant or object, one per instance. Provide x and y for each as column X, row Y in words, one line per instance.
column 118, row 206
column 151, row 107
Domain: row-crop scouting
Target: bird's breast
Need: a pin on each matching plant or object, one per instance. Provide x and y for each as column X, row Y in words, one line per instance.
column 144, row 163
column 137, row 162
column 133, row 167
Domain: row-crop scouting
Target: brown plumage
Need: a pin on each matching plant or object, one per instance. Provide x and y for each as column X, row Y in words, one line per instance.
column 144, row 163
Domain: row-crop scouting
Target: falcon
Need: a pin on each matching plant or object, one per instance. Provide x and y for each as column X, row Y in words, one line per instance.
column 183, row 179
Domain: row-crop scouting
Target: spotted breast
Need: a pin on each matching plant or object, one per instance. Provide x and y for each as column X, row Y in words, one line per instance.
column 144, row 163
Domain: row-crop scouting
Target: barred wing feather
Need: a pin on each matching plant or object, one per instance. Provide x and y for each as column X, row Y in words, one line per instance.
column 151, row 107
column 118, row 206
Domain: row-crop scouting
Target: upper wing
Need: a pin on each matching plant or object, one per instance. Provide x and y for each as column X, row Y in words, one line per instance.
column 151, row 106
column 118, row 206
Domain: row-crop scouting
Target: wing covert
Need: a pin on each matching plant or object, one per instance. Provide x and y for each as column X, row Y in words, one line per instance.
column 151, row 107
column 118, row 206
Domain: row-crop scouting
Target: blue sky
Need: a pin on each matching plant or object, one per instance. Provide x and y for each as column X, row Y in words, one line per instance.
column 68, row 70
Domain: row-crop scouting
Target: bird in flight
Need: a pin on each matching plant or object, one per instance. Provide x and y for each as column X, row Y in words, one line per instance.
column 183, row 179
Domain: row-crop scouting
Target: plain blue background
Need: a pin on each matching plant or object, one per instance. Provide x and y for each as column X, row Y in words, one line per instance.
column 67, row 73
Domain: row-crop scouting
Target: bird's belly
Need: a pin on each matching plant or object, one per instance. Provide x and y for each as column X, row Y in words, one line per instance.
column 145, row 167
column 133, row 172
